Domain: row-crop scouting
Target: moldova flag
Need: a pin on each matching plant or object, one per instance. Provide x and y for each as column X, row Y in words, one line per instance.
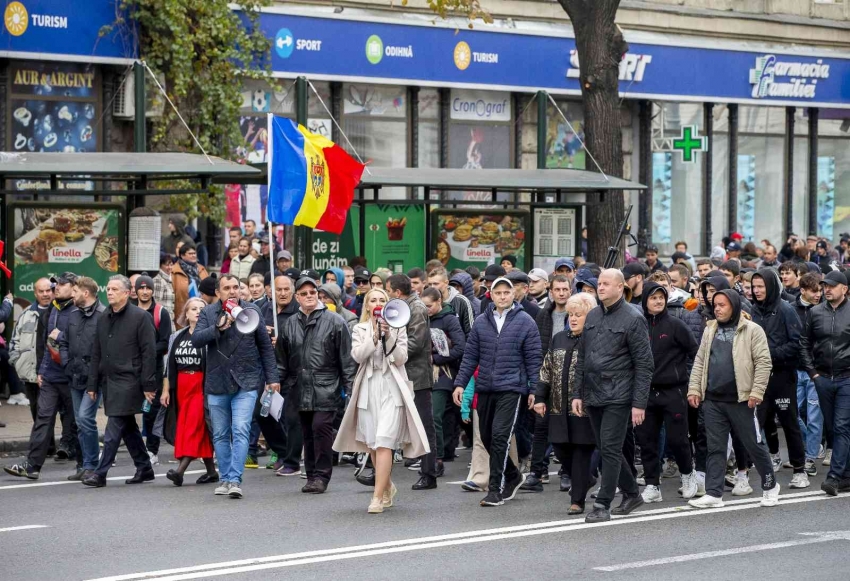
column 311, row 179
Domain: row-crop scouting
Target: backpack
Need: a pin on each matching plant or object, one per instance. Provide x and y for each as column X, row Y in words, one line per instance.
column 157, row 315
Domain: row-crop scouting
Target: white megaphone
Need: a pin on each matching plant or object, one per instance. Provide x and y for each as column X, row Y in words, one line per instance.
column 247, row 320
column 396, row 313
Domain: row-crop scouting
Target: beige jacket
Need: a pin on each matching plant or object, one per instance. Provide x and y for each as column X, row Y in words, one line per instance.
column 362, row 350
column 751, row 357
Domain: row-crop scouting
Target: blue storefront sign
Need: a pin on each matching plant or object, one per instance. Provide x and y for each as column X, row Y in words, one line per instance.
column 344, row 49
column 65, row 30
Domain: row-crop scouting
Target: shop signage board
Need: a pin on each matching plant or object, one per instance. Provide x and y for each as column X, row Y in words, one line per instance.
column 50, row 238
column 395, row 237
column 429, row 55
column 60, row 29
column 555, row 235
column 479, row 237
column 335, row 250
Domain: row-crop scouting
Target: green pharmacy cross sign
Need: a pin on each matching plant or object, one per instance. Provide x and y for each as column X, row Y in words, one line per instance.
column 690, row 142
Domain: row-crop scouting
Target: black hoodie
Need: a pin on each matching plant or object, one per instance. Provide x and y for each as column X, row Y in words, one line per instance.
column 720, row 283
column 673, row 344
column 779, row 321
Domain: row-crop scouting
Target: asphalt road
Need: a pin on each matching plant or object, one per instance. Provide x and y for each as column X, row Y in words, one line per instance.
column 158, row 531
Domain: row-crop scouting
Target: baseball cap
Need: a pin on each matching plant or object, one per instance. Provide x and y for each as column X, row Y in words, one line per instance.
column 633, row 269
column 263, row 238
column 304, row 280
column 292, row 273
column 733, row 247
column 565, row 262
column 502, row 280
column 64, row 278
column 493, row 272
column 144, row 281
column 591, row 282
column 285, row 254
column 736, row 236
column 361, row 273
column 833, row 278
column 822, row 244
column 314, row 274
column 517, row 276
column 536, row 274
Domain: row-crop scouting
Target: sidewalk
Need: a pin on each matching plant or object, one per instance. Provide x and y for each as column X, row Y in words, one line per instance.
column 14, row 438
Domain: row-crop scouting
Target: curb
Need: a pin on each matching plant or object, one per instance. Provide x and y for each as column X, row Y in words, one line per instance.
column 9, row 446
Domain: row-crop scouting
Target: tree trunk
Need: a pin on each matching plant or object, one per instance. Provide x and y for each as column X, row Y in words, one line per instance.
column 600, row 45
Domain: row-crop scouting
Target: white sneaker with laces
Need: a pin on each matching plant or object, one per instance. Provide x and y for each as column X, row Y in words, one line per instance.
column 776, row 461
column 827, row 457
column 689, row 485
column 18, row 399
column 770, row 497
column 222, row 489
column 651, row 494
column 742, row 486
column 800, row 480
column 706, row 501
column 154, row 459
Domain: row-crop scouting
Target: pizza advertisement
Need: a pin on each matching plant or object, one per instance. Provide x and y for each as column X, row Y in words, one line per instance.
column 50, row 239
column 471, row 238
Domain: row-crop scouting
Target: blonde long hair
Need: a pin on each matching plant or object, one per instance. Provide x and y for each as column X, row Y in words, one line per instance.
column 182, row 320
column 366, row 314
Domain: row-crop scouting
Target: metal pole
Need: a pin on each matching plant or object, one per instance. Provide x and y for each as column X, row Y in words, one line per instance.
column 302, row 234
column 542, row 100
column 271, row 256
column 732, row 224
column 139, row 127
column 813, row 171
column 707, row 164
column 789, row 170
column 645, row 176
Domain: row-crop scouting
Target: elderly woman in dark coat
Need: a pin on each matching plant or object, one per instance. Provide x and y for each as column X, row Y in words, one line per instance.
column 571, row 436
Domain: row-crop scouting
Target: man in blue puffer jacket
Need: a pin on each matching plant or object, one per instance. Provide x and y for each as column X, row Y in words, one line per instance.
column 504, row 345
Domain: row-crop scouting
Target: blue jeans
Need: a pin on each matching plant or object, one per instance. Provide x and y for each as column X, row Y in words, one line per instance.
column 231, row 419
column 834, row 397
column 812, row 428
column 85, row 413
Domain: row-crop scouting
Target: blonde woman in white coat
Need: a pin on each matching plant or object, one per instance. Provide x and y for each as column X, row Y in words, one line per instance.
column 381, row 415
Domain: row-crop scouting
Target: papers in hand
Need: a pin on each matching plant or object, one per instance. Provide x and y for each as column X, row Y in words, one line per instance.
column 277, row 406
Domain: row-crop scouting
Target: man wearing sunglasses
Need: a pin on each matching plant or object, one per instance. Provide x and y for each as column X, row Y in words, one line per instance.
column 314, row 355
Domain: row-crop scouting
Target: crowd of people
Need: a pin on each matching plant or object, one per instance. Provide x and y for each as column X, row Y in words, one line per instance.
column 623, row 377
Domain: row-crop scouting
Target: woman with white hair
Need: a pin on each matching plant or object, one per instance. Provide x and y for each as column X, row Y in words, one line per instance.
column 571, row 436
column 382, row 416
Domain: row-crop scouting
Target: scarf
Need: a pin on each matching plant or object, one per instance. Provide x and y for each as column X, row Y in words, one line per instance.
column 191, row 270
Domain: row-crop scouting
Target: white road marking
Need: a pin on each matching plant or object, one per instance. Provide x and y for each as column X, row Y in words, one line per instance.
column 813, row 538
column 58, row 482
column 23, row 528
column 453, row 539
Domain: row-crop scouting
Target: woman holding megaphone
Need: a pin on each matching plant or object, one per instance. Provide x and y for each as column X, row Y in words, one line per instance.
column 381, row 416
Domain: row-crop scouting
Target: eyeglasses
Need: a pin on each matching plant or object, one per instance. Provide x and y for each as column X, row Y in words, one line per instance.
column 307, row 293
column 361, row 282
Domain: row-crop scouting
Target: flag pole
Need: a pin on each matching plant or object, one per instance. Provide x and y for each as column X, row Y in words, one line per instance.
column 269, row 223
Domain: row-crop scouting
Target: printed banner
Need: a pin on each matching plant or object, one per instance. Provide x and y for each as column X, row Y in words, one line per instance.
column 563, row 145
column 826, row 196
column 472, row 238
column 747, row 196
column 87, row 240
column 662, row 197
column 555, row 231
column 395, row 237
column 335, row 250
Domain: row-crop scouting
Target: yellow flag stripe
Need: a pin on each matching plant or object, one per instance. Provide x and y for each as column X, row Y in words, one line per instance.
column 318, row 187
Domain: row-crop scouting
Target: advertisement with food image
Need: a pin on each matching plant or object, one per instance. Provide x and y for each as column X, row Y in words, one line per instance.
column 51, row 238
column 470, row 238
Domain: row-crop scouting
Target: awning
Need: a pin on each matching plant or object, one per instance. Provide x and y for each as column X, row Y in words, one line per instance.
column 121, row 173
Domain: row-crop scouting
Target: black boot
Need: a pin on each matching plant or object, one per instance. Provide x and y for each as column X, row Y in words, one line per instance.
column 533, row 483
column 94, row 480
column 425, row 483
column 366, row 478
column 629, row 504
column 142, row 475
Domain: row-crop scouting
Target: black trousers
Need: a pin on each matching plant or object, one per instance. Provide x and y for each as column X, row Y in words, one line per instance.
column 126, row 428
column 780, row 400
column 294, row 436
column 610, row 424
column 720, row 419
column 701, row 445
column 424, row 407
column 31, row 390
column 667, row 407
column 576, row 458
column 50, row 397
column 451, row 430
column 318, row 432
column 498, row 413
column 149, row 418
column 539, row 443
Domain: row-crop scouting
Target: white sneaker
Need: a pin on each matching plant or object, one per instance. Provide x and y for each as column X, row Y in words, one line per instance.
column 234, row 491
column 154, row 459
column 770, row 497
column 18, row 399
column 827, row 457
column 776, row 461
column 742, row 486
column 821, row 452
column 222, row 489
column 641, row 481
column 800, row 480
column 651, row 494
column 700, row 476
column 689, row 485
column 706, row 501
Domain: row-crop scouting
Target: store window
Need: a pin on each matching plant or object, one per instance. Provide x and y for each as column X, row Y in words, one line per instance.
column 480, row 135
column 760, row 183
column 563, row 139
column 54, row 107
column 429, row 128
column 833, row 174
column 676, row 185
column 375, row 121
